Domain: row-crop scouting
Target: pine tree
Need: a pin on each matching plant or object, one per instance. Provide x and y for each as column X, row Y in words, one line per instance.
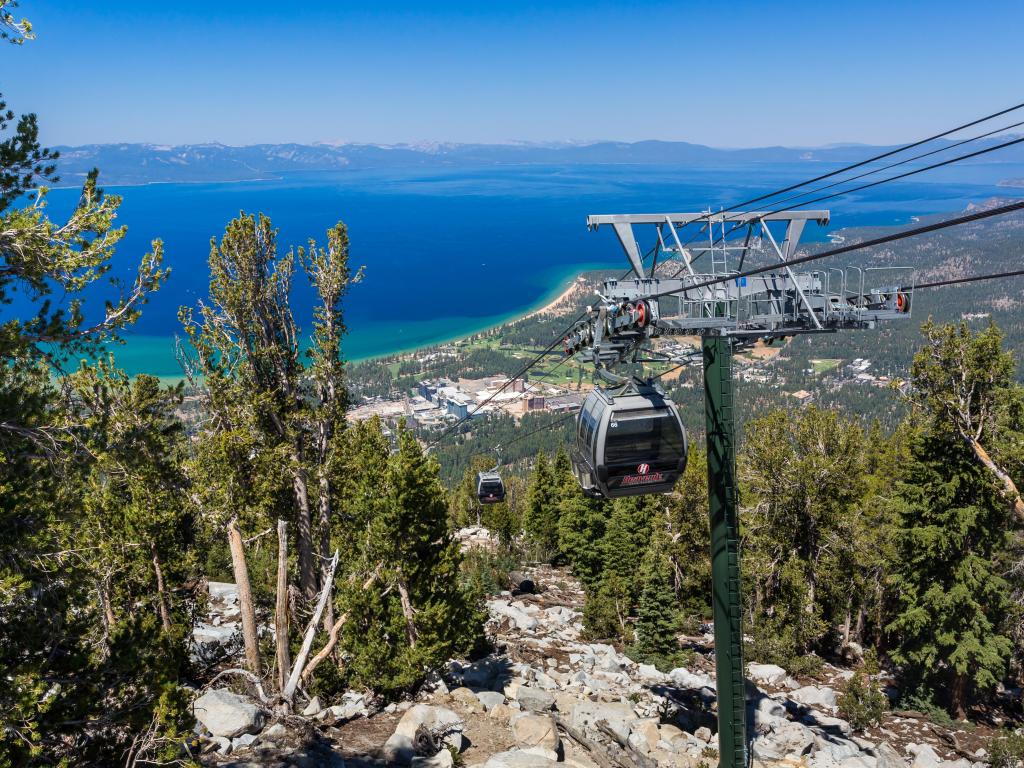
column 70, row 691
column 963, row 382
column 657, row 610
column 951, row 597
column 628, row 531
column 627, row 535
column 804, row 479
column 540, row 519
column 561, row 470
column 689, row 546
column 421, row 614
column 581, row 526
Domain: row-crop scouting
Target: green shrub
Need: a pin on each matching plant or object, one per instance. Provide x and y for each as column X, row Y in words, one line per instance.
column 777, row 647
column 485, row 572
column 1007, row 750
column 861, row 702
column 923, row 700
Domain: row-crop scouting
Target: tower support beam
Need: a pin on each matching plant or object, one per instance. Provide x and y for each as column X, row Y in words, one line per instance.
column 725, row 562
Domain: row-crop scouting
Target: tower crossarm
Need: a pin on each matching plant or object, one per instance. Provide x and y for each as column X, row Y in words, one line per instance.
column 636, row 309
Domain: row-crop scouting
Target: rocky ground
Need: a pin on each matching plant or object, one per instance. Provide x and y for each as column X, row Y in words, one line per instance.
column 545, row 696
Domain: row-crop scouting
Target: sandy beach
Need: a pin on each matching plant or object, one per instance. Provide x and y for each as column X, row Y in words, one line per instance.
column 576, row 286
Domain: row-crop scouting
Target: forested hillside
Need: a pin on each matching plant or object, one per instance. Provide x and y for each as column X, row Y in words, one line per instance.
column 904, row 546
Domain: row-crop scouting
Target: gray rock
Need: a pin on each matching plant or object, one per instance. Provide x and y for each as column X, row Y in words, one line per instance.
column 342, row 712
column 768, row 713
column 537, row 734
column 859, row 761
column 544, row 681
column 784, row 739
column 619, row 717
column 442, row 759
column 533, row 699
column 766, row 673
column 516, row 758
column 441, row 721
column 468, row 699
column 924, row 756
column 243, row 741
column 684, row 678
column 644, row 734
column 223, row 591
column 704, row 734
column 837, row 748
column 223, row 744
column 490, row 699
column 313, row 708
column 815, row 696
column 519, row 618
column 484, row 674
column 650, row 673
column 211, row 642
column 224, row 713
column 276, row 731
column 828, row 723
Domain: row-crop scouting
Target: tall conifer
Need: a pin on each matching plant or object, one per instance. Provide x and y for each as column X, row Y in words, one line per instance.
column 951, row 597
column 657, row 616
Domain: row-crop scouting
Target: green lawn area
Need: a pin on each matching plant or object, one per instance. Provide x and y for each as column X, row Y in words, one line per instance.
column 824, row 366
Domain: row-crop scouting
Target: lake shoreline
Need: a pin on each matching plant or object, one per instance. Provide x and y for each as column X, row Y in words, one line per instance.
column 548, row 305
column 567, row 287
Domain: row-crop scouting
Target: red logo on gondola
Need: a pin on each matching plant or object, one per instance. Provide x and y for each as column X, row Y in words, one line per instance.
column 643, row 469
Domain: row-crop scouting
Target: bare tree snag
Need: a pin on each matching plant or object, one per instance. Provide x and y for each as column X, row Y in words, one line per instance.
column 307, row 640
column 281, row 607
column 108, row 609
column 1009, row 487
column 410, row 614
column 324, row 522
column 245, row 602
column 161, row 592
column 304, row 530
column 335, row 631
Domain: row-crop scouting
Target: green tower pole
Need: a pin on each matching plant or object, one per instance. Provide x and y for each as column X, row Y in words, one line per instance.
column 725, row 561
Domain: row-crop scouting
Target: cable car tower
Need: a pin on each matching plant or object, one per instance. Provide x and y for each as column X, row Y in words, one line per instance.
column 728, row 309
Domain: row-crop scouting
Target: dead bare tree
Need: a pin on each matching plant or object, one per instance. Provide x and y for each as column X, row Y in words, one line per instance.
column 288, row 693
column 281, row 608
column 245, row 601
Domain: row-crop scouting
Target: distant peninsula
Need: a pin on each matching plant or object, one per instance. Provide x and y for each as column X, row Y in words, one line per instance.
column 1016, row 183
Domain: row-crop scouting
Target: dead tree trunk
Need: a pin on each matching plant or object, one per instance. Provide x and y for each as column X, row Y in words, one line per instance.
column 410, row 615
column 161, row 592
column 324, row 522
column 245, row 602
column 304, row 528
column 1009, row 487
column 108, row 609
column 335, row 631
column 281, row 607
column 307, row 640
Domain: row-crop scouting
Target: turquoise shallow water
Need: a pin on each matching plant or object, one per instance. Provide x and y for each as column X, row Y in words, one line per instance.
column 448, row 253
column 155, row 355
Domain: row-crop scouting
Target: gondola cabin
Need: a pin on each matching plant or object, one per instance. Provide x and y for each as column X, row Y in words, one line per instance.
column 489, row 488
column 628, row 444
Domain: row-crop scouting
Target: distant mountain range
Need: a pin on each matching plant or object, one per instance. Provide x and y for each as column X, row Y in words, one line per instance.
column 150, row 163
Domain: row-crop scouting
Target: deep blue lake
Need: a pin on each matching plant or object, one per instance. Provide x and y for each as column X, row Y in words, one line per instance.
column 450, row 252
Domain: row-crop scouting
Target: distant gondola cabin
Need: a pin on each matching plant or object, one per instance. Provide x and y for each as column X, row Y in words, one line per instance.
column 489, row 488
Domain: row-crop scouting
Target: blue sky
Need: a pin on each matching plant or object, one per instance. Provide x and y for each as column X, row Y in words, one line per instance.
column 736, row 74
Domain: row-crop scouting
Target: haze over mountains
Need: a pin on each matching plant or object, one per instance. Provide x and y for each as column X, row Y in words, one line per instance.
column 149, row 163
